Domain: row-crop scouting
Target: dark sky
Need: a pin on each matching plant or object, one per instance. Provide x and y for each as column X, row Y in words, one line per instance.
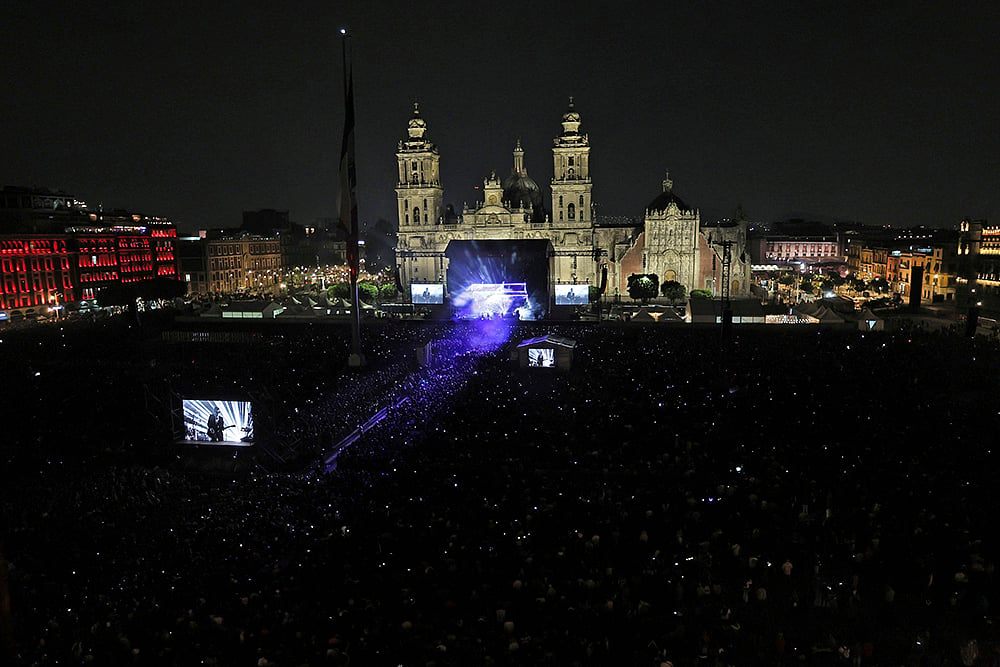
column 885, row 113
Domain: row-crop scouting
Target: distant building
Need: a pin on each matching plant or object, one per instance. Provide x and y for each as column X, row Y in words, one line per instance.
column 35, row 271
column 228, row 262
column 978, row 260
column 39, row 210
column 795, row 241
column 75, row 265
column 129, row 250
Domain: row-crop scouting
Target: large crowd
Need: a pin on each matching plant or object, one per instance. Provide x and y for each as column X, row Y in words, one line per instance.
column 785, row 497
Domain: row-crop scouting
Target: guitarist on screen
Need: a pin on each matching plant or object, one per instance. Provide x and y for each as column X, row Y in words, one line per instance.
column 215, row 426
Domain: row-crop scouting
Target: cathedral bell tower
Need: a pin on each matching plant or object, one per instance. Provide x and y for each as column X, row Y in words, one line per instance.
column 572, row 219
column 571, row 186
column 420, row 206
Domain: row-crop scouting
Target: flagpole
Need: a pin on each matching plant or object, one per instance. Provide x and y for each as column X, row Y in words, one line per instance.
column 349, row 203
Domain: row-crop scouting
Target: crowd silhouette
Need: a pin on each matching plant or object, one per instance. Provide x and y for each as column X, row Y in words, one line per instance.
column 787, row 497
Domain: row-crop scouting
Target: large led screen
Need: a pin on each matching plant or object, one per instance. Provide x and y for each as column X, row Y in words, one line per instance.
column 429, row 293
column 572, row 295
column 541, row 357
column 214, row 422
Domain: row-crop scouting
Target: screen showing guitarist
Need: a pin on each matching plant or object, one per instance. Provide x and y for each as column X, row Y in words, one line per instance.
column 216, row 426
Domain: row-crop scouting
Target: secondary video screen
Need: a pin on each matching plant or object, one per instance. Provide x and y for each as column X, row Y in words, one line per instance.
column 427, row 293
column 214, row 422
column 541, row 357
column 572, row 295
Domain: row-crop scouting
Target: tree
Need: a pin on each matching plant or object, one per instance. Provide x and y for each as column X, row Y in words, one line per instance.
column 387, row 293
column 673, row 290
column 879, row 285
column 339, row 291
column 643, row 286
column 367, row 292
column 786, row 278
column 701, row 294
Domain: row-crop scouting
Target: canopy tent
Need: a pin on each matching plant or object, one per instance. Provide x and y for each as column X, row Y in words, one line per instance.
column 869, row 321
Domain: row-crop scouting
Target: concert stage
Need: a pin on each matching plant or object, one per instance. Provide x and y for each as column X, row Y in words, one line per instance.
column 499, row 278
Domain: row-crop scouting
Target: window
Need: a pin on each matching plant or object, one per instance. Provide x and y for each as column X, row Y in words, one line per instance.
column 571, row 161
column 581, row 202
column 571, row 212
column 560, row 201
column 416, row 215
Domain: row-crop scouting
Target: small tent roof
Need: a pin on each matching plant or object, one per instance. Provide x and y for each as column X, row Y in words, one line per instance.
column 548, row 340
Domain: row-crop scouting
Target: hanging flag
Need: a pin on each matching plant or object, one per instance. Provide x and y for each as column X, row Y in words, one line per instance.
column 348, row 173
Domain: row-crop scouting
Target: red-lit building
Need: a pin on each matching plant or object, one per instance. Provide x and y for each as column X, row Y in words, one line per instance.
column 48, row 270
column 35, row 271
column 123, row 253
column 53, row 250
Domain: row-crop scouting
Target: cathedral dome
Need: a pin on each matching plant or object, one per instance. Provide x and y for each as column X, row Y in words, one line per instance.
column 666, row 198
column 663, row 201
column 521, row 190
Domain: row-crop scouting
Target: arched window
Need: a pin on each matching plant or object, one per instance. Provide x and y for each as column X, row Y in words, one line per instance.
column 571, row 212
column 581, row 202
column 560, row 201
column 416, row 215
column 569, row 173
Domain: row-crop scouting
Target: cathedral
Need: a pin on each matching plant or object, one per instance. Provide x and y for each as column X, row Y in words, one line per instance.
column 670, row 241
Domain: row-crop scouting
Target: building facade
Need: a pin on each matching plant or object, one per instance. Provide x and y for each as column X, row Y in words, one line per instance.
column 669, row 241
column 35, row 271
column 229, row 263
column 47, row 270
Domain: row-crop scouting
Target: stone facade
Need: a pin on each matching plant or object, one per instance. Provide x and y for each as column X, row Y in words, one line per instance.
column 670, row 241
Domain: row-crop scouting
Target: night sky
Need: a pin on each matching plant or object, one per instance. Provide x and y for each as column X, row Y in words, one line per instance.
column 884, row 114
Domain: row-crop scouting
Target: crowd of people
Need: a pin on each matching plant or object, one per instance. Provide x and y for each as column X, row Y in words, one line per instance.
column 803, row 496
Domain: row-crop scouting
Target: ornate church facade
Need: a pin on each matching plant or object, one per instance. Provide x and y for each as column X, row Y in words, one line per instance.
column 670, row 242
